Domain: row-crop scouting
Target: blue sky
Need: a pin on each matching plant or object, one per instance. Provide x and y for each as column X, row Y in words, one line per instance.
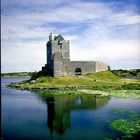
column 103, row 30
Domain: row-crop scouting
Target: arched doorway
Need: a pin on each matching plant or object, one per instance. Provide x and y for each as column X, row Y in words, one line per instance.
column 78, row 71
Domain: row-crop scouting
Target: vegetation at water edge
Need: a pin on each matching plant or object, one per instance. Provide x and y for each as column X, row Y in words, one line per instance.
column 132, row 73
column 129, row 125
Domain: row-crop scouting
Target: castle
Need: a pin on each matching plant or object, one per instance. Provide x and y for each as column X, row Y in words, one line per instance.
column 58, row 60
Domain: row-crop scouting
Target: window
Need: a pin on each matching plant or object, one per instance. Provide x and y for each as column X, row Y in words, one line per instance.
column 78, row 71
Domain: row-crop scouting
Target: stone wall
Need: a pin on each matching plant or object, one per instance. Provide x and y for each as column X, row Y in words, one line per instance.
column 100, row 66
column 85, row 66
column 49, row 66
column 60, row 54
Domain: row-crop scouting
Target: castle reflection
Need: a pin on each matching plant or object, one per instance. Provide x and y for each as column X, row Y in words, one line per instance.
column 60, row 107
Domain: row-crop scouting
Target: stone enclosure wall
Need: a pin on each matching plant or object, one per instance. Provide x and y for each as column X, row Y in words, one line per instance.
column 84, row 66
column 100, row 66
column 59, row 64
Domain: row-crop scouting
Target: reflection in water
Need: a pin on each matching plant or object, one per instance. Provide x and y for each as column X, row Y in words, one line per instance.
column 60, row 107
column 26, row 117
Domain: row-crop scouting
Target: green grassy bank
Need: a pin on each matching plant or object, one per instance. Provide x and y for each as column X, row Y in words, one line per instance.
column 103, row 81
column 90, row 79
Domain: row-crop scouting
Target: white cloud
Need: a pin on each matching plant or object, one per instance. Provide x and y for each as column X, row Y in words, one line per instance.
column 109, row 49
column 22, row 57
column 91, row 31
column 124, row 19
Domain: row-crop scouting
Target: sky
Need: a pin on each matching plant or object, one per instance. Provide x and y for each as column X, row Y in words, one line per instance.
column 98, row 30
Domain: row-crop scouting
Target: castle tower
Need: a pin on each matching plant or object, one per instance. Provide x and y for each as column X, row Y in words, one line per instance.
column 58, row 60
column 57, row 55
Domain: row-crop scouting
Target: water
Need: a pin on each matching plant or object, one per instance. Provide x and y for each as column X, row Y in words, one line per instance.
column 25, row 115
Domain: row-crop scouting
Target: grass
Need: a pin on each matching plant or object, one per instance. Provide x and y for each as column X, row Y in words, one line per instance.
column 114, row 93
column 104, row 81
column 50, row 93
column 105, row 75
column 125, row 93
column 100, row 78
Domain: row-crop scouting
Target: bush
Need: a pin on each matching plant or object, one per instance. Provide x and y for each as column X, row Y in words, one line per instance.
column 36, row 75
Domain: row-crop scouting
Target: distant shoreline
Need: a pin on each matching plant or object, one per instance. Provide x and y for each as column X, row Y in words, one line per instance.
column 17, row 74
column 13, row 76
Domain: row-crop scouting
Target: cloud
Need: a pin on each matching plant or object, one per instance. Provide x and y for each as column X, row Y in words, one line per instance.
column 123, row 52
column 100, row 29
column 125, row 19
column 23, row 57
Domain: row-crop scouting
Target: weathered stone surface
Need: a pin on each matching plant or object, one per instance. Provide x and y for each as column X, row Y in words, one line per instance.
column 58, row 60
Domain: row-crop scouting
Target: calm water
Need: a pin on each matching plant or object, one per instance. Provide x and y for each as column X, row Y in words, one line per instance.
column 25, row 115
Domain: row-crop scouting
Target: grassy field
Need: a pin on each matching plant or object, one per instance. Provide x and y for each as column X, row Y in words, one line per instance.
column 101, row 80
column 91, row 79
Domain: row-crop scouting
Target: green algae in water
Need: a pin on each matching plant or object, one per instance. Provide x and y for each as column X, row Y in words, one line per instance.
column 127, row 126
column 125, row 93
column 130, row 114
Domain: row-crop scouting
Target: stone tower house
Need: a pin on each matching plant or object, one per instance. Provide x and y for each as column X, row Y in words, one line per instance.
column 58, row 60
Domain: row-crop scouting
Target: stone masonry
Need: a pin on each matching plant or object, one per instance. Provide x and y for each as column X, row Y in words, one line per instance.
column 58, row 60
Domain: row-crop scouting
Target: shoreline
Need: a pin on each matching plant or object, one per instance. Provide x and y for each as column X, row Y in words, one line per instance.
column 87, row 90
column 15, row 76
column 16, row 86
column 102, row 81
